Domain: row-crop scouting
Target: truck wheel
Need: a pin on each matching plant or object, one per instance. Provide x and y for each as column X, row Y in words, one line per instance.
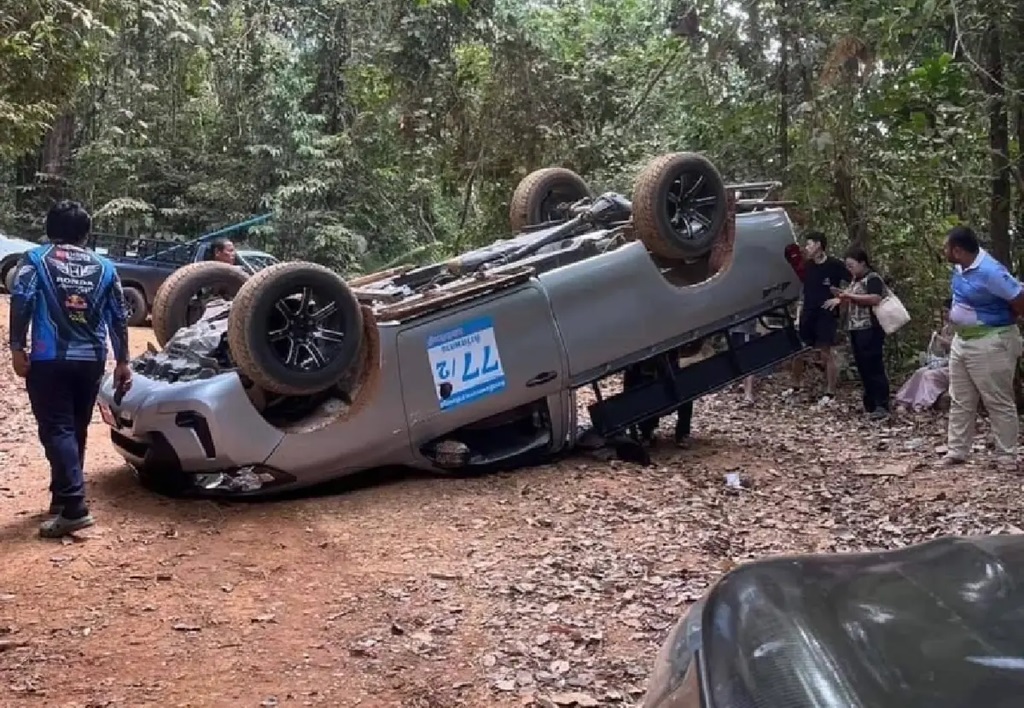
column 135, row 307
column 295, row 328
column 181, row 299
column 679, row 205
column 543, row 196
column 9, row 275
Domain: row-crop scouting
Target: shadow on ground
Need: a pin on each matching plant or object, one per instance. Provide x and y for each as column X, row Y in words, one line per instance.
column 120, row 488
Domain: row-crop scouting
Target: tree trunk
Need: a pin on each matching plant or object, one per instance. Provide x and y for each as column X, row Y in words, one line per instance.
column 803, row 84
column 1019, row 121
column 1015, row 67
column 849, row 208
column 57, row 145
column 999, row 146
column 25, row 180
column 783, row 139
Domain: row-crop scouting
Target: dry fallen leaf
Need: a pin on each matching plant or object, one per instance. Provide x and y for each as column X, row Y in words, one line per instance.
column 892, row 470
column 574, row 699
column 186, row 627
column 7, row 644
column 559, row 667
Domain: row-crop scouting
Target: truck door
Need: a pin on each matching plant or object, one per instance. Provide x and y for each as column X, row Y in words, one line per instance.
column 480, row 360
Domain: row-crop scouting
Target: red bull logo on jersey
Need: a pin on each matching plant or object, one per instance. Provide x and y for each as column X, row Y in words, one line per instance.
column 76, row 302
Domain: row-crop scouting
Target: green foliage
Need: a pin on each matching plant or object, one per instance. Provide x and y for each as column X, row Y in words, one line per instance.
column 46, row 49
column 395, row 132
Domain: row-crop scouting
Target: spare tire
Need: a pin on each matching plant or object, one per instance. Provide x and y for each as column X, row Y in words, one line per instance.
column 295, row 328
column 181, row 299
column 679, row 206
column 11, row 274
column 543, row 195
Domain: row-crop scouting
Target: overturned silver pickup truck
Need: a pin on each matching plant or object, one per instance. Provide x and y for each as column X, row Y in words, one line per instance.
column 298, row 376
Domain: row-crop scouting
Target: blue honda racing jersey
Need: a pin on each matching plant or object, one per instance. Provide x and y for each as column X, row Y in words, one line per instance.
column 72, row 298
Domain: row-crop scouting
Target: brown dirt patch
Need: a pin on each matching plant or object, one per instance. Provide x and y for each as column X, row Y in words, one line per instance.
column 415, row 591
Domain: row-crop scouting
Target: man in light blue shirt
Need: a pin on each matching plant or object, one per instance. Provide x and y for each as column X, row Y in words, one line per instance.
column 987, row 300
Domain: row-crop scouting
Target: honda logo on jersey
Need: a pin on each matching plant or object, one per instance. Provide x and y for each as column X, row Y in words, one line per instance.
column 75, row 270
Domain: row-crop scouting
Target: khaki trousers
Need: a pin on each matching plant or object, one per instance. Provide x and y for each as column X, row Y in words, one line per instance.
column 983, row 369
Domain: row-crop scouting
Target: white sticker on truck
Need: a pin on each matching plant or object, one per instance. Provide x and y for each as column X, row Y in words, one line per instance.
column 465, row 363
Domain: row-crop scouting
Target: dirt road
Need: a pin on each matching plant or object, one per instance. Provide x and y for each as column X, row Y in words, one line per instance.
column 550, row 584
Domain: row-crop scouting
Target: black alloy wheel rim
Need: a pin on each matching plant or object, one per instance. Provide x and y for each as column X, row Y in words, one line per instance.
column 306, row 330
column 690, row 205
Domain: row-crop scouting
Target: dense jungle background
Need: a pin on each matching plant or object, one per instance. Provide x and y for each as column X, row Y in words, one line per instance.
column 396, row 131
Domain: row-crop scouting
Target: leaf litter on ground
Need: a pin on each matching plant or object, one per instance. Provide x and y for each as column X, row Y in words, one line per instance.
column 566, row 578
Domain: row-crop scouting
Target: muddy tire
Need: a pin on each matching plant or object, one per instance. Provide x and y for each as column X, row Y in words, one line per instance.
column 295, row 329
column 135, row 307
column 540, row 196
column 9, row 274
column 178, row 302
column 679, row 206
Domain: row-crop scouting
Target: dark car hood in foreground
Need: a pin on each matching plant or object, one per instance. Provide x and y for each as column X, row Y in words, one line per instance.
column 938, row 625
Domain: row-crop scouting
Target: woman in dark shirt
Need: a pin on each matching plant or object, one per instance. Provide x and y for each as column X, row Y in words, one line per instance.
column 867, row 338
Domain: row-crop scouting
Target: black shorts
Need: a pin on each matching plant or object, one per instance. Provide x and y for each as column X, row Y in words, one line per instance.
column 818, row 327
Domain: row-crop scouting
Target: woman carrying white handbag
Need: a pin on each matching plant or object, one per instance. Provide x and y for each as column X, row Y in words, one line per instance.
column 867, row 335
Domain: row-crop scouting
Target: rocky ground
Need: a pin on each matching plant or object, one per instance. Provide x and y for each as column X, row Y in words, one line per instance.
column 548, row 586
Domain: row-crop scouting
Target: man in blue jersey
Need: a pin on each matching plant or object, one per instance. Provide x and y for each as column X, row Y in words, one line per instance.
column 72, row 299
column 987, row 301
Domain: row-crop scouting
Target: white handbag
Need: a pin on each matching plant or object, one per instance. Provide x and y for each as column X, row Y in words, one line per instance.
column 890, row 313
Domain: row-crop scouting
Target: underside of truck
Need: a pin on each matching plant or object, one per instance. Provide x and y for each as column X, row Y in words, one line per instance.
column 677, row 383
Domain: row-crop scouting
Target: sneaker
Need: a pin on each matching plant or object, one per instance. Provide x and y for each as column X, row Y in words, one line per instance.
column 878, row 414
column 950, row 459
column 683, row 443
column 825, row 400
column 61, row 525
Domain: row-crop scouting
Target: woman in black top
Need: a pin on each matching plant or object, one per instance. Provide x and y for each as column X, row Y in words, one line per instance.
column 867, row 338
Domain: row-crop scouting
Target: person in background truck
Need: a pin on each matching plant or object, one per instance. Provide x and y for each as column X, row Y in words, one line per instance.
column 72, row 299
column 223, row 250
